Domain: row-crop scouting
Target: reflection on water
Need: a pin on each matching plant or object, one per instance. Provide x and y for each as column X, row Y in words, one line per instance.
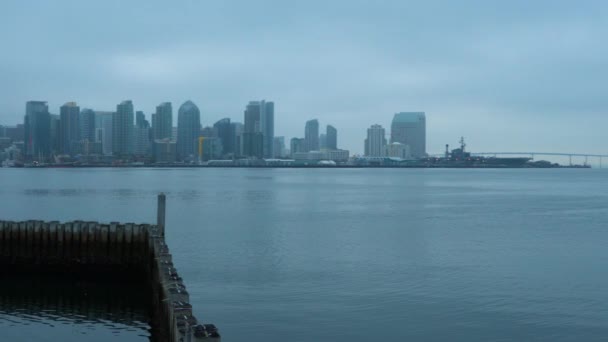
column 51, row 308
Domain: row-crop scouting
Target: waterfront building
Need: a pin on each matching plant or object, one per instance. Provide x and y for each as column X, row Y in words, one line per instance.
column 69, row 128
column 162, row 121
column 211, row 148
column 331, row 138
column 375, row 143
column 122, row 129
column 297, row 145
column 224, row 132
column 37, row 131
column 339, row 156
column 398, row 150
column 103, row 122
column 87, row 125
column 253, row 139
column 279, row 147
column 409, row 128
column 311, row 136
column 188, row 131
column 86, row 147
column 164, row 151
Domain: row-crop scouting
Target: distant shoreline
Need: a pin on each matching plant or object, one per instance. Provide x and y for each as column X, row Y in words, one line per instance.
column 306, row 166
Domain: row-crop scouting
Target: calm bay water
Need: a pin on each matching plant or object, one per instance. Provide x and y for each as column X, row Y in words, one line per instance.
column 355, row 254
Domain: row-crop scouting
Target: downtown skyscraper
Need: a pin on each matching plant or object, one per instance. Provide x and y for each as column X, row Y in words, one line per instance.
column 37, row 131
column 331, row 138
column 122, row 129
column 409, row 128
column 258, row 134
column 188, row 130
column 311, row 135
column 375, row 143
column 253, row 140
column 225, row 133
column 87, row 125
column 162, row 121
column 267, row 127
column 69, row 128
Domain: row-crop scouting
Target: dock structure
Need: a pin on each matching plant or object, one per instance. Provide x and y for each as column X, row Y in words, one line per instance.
column 137, row 249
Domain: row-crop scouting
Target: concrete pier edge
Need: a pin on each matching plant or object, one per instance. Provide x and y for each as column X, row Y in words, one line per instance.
column 39, row 245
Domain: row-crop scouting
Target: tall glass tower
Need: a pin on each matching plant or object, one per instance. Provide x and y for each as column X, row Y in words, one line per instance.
column 188, row 130
column 122, row 129
column 37, row 130
column 162, row 121
column 311, row 135
column 69, row 127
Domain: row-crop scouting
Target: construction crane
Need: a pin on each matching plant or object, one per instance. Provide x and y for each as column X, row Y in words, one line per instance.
column 200, row 149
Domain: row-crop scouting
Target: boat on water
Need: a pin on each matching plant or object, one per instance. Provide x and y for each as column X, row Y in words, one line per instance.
column 459, row 157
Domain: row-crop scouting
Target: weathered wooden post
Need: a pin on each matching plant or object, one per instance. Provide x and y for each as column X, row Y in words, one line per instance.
column 160, row 213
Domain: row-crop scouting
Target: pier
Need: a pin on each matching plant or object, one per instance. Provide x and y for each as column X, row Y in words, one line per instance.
column 111, row 249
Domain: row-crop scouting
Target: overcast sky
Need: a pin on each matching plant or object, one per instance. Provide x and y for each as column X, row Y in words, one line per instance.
column 508, row 75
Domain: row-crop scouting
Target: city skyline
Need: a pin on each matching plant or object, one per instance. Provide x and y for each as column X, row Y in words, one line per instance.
column 158, row 122
column 530, row 73
column 164, row 110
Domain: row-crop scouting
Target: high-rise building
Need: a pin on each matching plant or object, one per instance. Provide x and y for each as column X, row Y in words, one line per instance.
column 122, row 129
column 87, row 125
column 253, row 139
column 141, row 135
column 55, row 137
column 140, row 120
column 162, row 121
column 103, row 120
column 69, row 130
column 37, row 131
column 225, row 133
column 211, row 148
column 267, row 127
column 375, row 143
column 208, row 132
column 409, row 128
column 279, row 147
column 237, row 129
column 322, row 141
column 331, row 138
column 188, row 130
column 311, row 136
column 297, row 145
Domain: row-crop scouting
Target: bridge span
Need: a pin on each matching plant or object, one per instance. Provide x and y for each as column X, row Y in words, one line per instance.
column 532, row 154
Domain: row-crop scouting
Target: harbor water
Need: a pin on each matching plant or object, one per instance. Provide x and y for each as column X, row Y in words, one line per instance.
column 334, row 254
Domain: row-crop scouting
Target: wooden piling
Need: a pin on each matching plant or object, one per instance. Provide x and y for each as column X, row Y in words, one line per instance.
column 81, row 245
